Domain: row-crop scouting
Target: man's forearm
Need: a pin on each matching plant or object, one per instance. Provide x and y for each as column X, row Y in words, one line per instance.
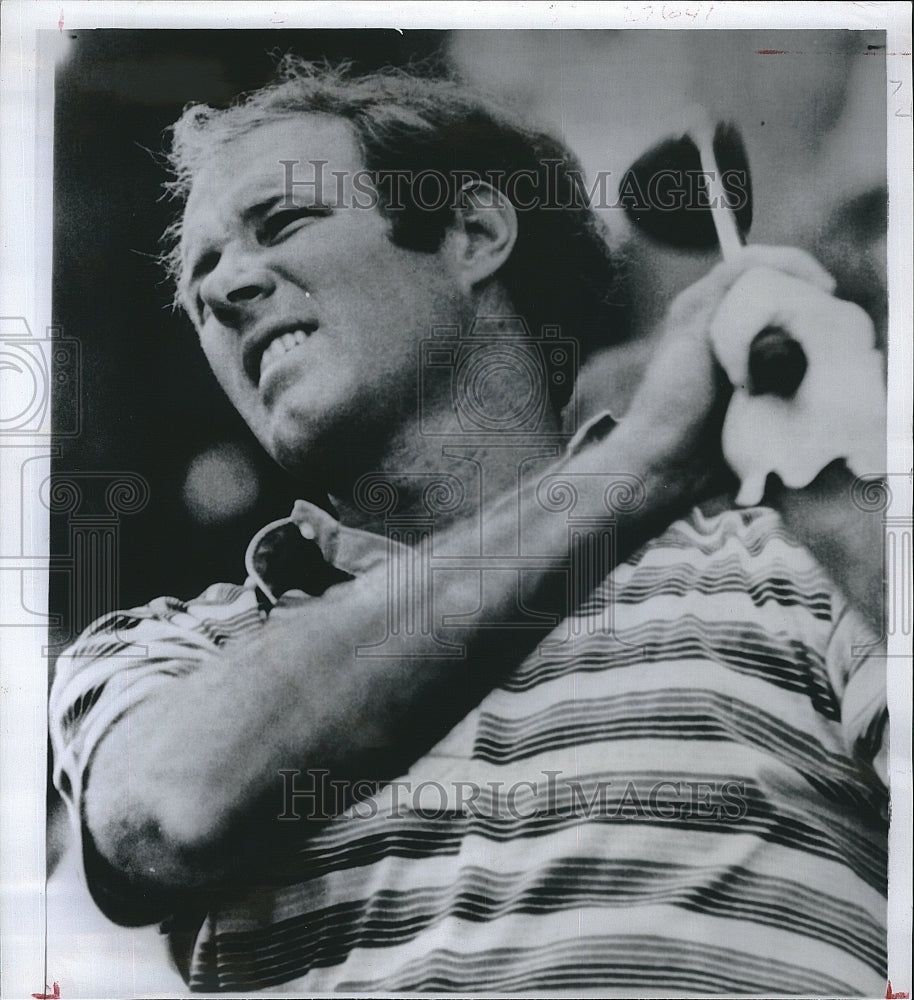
column 192, row 774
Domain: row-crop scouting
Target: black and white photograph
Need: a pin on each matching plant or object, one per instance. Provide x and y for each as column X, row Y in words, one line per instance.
column 456, row 481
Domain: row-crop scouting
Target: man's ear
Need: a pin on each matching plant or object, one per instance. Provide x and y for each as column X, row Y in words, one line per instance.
column 482, row 234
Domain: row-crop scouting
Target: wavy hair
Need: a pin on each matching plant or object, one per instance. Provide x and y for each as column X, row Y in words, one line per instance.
column 560, row 272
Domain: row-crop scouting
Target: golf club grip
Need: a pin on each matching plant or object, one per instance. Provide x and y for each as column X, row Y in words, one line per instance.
column 777, row 363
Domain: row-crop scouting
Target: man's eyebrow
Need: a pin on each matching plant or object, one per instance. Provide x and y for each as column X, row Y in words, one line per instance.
column 207, row 250
column 201, row 257
column 286, row 200
column 261, row 208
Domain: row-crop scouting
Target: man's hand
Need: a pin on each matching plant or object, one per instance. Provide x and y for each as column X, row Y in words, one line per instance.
column 678, row 410
column 838, row 409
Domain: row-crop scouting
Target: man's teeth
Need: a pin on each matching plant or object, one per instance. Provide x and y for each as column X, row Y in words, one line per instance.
column 279, row 346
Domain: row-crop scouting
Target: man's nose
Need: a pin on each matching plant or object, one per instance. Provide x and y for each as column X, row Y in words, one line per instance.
column 235, row 286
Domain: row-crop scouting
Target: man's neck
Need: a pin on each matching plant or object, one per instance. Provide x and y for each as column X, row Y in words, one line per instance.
column 448, row 467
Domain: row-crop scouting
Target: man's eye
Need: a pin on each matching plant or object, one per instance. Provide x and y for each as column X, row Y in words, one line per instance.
column 274, row 226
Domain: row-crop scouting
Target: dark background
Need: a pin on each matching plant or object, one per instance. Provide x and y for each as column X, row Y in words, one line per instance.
column 149, row 402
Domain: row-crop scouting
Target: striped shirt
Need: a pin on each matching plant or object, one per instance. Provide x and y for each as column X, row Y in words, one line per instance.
column 692, row 800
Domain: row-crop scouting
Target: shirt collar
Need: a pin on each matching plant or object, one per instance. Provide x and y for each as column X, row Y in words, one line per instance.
column 310, row 550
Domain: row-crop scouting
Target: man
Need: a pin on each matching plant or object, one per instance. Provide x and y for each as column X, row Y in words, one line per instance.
column 436, row 742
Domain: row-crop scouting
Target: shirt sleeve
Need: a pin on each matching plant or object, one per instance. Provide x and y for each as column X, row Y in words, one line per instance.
column 114, row 666
column 857, row 669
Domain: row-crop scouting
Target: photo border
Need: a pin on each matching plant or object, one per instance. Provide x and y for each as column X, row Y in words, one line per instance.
column 26, row 103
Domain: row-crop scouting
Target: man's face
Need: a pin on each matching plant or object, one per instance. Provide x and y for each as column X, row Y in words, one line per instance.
column 309, row 315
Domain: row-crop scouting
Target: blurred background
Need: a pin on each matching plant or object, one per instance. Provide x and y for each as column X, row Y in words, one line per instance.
column 810, row 105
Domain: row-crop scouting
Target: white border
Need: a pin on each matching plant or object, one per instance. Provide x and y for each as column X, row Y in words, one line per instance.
column 25, row 239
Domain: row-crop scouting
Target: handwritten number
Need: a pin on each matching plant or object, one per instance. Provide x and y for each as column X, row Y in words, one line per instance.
column 668, row 12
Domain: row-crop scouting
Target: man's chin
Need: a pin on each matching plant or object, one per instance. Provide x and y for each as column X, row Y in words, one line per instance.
column 328, row 463
column 302, row 459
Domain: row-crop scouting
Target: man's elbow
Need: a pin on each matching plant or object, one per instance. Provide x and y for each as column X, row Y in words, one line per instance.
column 152, row 831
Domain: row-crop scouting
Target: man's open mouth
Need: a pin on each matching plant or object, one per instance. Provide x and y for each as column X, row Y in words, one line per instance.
column 279, row 347
column 275, row 346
